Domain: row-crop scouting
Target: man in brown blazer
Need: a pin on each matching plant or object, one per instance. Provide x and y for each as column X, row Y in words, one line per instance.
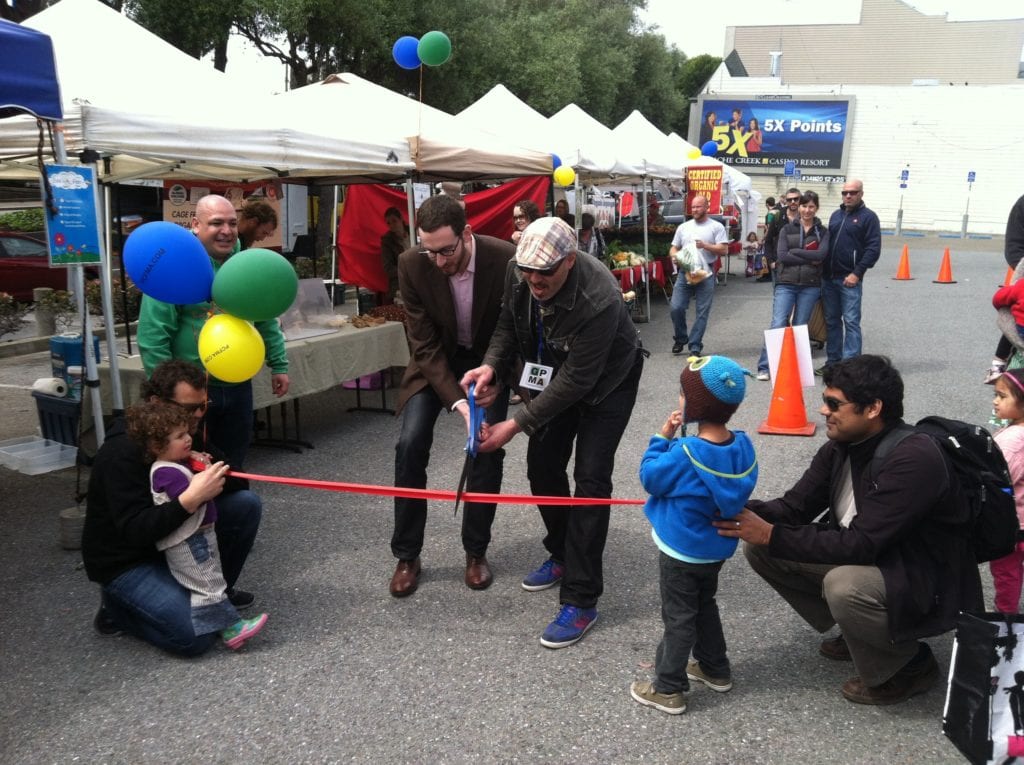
column 452, row 286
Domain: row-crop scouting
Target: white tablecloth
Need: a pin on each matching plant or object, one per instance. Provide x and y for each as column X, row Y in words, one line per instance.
column 314, row 364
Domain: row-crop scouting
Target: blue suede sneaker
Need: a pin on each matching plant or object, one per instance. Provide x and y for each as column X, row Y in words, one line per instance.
column 548, row 575
column 568, row 627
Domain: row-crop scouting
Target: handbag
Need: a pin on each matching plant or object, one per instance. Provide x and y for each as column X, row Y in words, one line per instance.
column 984, row 711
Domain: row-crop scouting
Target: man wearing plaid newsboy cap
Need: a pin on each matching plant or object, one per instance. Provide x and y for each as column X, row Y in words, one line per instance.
column 563, row 316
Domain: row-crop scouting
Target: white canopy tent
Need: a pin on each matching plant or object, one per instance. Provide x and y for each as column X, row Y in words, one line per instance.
column 134, row 115
column 501, row 112
column 590, row 148
column 441, row 146
column 659, row 156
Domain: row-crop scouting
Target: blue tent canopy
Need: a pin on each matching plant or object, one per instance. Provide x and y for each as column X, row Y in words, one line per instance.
column 28, row 74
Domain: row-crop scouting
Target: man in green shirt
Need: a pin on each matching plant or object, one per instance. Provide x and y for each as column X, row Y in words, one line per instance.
column 169, row 331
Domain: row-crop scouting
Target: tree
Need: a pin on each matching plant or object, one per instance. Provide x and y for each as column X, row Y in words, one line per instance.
column 19, row 10
column 691, row 79
column 197, row 27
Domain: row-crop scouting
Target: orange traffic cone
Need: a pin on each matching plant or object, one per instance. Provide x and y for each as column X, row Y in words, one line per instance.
column 945, row 271
column 1009, row 276
column 787, row 415
column 903, row 270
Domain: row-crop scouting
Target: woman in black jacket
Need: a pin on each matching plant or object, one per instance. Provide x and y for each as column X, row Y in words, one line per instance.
column 803, row 244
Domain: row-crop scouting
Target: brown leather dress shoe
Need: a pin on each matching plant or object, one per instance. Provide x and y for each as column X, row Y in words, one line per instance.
column 918, row 676
column 406, row 578
column 478, row 573
column 835, row 649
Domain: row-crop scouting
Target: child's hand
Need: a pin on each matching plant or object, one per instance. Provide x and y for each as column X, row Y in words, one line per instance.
column 203, row 457
column 668, row 430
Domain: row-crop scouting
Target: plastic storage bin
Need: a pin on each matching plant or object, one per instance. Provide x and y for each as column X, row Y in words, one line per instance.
column 33, row 455
column 58, row 418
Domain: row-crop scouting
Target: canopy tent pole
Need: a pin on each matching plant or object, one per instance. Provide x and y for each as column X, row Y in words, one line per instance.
column 107, row 301
column 334, row 249
column 78, row 276
column 410, row 205
column 647, row 251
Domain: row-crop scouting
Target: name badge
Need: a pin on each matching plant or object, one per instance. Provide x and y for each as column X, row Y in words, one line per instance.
column 536, row 376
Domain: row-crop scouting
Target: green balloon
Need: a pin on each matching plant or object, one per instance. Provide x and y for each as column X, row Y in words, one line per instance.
column 434, row 49
column 255, row 285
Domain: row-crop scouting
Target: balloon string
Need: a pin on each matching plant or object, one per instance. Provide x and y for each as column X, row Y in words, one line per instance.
column 436, row 494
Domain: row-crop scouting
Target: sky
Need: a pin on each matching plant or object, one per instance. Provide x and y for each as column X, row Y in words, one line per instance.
column 692, row 32
column 700, row 32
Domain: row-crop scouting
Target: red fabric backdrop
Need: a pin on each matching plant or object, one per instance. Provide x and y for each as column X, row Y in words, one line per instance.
column 362, row 222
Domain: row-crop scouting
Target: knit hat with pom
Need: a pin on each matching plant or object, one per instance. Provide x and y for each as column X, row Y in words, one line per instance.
column 713, row 387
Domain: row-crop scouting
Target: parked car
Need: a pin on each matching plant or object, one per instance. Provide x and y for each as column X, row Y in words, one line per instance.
column 25, row 264
column 673, row 211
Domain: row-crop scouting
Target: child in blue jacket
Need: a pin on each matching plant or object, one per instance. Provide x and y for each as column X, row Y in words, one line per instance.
column 692, row 481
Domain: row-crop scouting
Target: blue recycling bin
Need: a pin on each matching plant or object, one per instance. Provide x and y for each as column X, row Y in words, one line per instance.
column 66, row 351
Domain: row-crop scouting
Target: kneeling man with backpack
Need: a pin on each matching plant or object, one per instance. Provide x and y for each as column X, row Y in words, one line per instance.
column 882, row 548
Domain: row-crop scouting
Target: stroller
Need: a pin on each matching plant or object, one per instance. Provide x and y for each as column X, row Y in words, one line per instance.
column 757, row 266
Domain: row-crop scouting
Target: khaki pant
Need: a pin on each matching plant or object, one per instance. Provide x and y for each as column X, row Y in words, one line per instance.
column 851, row 596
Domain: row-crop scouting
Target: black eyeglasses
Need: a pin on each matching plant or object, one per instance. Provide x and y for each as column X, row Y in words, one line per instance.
column 193, row 408
column 541, row 271
column 850, row 193
column 444, row 252
column 790, row 200
column 834, row 404
column 518, row 217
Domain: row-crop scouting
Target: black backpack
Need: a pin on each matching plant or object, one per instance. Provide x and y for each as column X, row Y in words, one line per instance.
column 984, row 479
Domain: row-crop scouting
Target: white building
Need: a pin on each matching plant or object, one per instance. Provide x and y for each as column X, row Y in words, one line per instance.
column 923, row 123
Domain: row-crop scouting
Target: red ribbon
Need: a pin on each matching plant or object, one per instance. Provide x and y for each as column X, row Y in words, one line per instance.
column 398, row 491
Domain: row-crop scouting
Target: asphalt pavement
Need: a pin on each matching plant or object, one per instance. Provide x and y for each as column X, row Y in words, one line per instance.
column 345, row 673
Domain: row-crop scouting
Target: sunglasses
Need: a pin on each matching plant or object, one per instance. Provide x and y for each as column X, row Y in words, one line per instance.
column 444, row 252
column 541, row 271
column 851, row 193
column 791, row 200
column 193, row 408
column 834, row 404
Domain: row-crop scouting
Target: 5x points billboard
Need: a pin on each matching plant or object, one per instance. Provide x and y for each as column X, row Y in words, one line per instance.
column 760, row 135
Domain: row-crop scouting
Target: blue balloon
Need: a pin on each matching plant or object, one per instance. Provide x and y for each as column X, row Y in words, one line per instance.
column 556, row 162
column 169, row 263
column 404, row 52
column 709, row 148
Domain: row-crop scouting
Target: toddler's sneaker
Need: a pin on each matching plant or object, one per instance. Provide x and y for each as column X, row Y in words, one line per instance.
column 568, row 627
column 717, row 684
column 548, row 575
column 236, row 635
column 763, row 376
column 669, row 703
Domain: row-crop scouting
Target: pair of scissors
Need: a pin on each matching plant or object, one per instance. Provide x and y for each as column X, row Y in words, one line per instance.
column 476, row 420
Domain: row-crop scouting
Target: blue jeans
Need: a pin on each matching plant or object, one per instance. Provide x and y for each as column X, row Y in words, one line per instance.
column 842, row 319
column 784, row 300
column 146, row 601
column 228, row 421
column 703, row 292
column 692, row 622
column 412, row 455
column 576, row 535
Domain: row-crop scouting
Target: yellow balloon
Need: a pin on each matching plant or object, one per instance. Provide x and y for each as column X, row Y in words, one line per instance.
column 231, row 349
column 564, row 175
column 694, row 153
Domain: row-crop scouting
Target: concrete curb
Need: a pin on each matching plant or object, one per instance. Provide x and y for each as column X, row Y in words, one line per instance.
column 25, row 346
